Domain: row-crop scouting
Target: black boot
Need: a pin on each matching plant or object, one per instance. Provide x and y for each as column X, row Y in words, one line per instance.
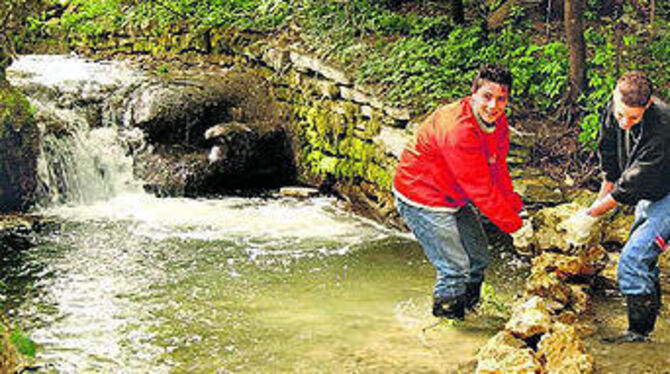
column 451, row 308
column 472, row 295
column 657, row 286
column 642, row 310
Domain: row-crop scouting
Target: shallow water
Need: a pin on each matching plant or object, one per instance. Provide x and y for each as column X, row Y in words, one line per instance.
column 143, row 285
column 609, row 319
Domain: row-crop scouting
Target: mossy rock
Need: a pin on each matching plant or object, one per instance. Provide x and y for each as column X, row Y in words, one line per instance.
column 19, row 148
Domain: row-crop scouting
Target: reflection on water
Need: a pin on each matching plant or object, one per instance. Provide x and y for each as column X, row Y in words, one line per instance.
column 233, row 285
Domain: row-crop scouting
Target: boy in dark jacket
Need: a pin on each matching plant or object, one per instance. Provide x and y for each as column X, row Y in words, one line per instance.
column 635, row 158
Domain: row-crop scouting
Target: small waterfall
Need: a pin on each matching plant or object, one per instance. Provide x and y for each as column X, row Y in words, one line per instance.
column 88, row 166
column 83, row 157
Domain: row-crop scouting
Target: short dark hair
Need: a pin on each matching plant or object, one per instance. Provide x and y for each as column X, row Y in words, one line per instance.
column 493, row 73
column 635, row 89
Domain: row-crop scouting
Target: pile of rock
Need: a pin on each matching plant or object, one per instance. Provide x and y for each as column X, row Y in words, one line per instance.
column 542, row 336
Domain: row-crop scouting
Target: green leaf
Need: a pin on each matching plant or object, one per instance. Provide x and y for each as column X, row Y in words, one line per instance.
column 23, row 344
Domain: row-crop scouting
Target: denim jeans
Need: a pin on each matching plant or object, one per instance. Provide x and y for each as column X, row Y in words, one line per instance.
column 638, row 264
column 455, row 243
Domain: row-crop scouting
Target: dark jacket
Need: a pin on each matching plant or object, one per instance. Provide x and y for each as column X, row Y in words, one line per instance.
column 641, row 170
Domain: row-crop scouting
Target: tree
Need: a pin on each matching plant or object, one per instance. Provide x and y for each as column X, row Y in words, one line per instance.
column 457, row 13
column 574, row 32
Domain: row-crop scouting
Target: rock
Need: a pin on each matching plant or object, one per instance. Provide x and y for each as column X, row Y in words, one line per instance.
column 299, row 192
column 306, row 63
column 609, row 273
column 587, row 262
column 393, row 140
column 504, row 353
column 277, row 59
column 19, row 150
column 593, row 259
column 564, row 352
column 529, row 318
column 538, row 189
column 548, row 285
column 522, row 361
column 618, row 229
column 549, row 235
column 579, row 298
column 359, row 97
column 175, row 112
column 400, row 114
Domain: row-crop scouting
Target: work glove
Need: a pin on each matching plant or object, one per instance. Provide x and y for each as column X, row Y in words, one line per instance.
column 523, row 237
column 578, row 228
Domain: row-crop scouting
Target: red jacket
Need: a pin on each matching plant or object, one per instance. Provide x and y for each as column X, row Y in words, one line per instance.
column 452, row 161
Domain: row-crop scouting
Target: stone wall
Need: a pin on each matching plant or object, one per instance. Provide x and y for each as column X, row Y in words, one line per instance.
column 346, row 140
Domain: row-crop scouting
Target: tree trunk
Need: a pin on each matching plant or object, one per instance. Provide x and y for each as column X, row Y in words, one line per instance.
column 573, row 13
column 457, row 13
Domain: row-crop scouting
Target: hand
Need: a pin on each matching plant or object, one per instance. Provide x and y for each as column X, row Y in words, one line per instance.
column 578, row 228
column 523, row 237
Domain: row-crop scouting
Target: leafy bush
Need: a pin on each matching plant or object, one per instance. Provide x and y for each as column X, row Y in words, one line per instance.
column 416, row 59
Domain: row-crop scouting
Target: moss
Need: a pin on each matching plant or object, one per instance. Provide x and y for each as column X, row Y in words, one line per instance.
column 19, row 142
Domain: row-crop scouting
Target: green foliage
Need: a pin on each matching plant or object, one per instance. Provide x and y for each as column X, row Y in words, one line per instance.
column 415, row 59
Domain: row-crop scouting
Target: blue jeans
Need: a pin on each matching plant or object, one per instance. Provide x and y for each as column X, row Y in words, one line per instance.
column 638, row 265
column 455, row 243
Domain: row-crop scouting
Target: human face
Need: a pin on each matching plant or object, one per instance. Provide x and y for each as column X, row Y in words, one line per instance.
column 627, row 116
column 490, row 100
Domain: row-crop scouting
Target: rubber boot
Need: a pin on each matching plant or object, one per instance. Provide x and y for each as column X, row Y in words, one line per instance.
column 472, row 295
column 642, row 310
column 450, row 308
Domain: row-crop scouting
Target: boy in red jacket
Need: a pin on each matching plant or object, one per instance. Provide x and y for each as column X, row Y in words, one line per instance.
column 455, row 161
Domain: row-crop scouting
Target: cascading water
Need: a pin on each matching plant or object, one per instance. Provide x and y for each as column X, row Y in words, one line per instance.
column 80, row 162
column 85, row 167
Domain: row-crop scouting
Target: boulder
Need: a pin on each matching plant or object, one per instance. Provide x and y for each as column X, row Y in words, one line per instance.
column 564, row 352
column 504, row 353
column 529, row 318
column 548, row 286
column 549, row 234
column 19, row 150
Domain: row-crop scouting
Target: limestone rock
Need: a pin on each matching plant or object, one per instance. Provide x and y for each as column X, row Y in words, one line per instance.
column 521, row 361
column 504, row 353
column 564, row 352
column 618, row 228
column 529, row 318
column 609, row 273
column 299, row 192
column 586, row 263
column 579, row 298
column 549, row 286
column 393, row 140
column 550, row 235
column 538, row 189
column 306, row 63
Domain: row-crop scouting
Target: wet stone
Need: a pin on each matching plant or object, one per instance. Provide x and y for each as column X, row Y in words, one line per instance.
column 564, row 352
column 549, row 286
column 504, row 353
column 529, row 318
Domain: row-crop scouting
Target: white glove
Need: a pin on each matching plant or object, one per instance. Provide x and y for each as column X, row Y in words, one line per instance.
column 523, row 237
column 578, row 228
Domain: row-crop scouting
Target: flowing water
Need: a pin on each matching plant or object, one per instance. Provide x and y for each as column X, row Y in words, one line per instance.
column 144, row 285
